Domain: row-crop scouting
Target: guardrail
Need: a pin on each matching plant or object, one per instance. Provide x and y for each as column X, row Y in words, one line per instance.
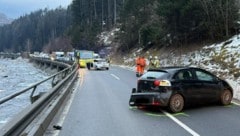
column 9, row 55
column 59, row 65
column 35, row 119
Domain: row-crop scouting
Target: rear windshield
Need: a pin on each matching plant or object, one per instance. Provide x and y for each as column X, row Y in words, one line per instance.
column 100, row 60
column 156, row 75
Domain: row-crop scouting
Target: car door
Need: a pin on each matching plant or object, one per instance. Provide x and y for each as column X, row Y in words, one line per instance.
column 189, row 86
column 209, row 85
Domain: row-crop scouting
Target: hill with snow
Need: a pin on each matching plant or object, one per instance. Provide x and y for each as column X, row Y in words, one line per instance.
column 222, row 58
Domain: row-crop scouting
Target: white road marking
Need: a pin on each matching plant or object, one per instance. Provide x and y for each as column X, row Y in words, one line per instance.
column 115, row 76
column 236, row 103
column 192, row 132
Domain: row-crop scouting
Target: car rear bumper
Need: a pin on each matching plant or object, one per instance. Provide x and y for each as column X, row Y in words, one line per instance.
column 101, row 66
column 147, row 99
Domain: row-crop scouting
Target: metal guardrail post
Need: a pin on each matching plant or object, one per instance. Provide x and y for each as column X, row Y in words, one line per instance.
column 54, row 83
column 32, row 93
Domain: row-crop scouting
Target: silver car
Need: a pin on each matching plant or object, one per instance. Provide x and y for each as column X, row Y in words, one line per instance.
column 100, row 63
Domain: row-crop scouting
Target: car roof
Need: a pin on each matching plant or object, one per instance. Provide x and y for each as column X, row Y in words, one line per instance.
column 171, row 69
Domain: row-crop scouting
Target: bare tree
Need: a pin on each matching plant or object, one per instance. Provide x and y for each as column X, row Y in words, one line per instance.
column 115, row 12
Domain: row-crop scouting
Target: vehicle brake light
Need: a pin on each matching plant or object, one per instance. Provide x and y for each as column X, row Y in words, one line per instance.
column 162, row 83
column 157, row 83
column 155, row 102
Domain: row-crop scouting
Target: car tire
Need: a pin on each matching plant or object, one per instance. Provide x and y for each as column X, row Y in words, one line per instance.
column 176, row 103
column 226, row 97
column 88, row 66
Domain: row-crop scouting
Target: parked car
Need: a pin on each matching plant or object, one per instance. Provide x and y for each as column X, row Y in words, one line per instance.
column 100, row 63
column 175, row 87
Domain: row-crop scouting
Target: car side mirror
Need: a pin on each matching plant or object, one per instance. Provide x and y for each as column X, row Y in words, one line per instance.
column 134, row 90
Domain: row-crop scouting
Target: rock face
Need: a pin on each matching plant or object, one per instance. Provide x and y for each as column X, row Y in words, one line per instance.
column 4, row 19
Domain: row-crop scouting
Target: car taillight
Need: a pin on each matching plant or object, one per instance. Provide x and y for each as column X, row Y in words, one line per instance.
column 156, row 83
column 162, row 83
column 155, row 103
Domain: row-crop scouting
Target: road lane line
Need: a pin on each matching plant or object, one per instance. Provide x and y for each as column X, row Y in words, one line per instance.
column 236, row 103
column 115, row 76
column 81, row 74
column 192, row 132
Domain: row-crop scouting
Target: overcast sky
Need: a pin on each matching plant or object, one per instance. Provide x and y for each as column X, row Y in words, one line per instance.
column 17, row 8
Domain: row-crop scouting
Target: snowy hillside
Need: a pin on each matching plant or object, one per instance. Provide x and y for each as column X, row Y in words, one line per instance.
column 221, row 59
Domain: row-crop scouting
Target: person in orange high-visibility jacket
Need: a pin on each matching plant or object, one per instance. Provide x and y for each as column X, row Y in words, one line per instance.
column 140, row 66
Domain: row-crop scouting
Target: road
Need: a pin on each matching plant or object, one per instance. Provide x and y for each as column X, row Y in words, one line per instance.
column 100, row 108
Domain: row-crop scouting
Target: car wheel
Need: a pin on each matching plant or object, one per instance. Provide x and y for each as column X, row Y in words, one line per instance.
column 226, row 97
column 176, row 103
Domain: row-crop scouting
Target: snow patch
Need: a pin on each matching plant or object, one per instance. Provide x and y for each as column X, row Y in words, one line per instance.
column 236, row 88
column 106, row 38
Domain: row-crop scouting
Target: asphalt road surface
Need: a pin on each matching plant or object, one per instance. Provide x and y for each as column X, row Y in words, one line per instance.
column 100, row 108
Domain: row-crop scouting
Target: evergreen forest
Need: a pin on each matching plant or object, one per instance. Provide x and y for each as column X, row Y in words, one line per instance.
column 142, row 23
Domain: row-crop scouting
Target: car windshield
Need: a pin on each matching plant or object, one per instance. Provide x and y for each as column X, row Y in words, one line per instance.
column 100, row 60
column 86, row 55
